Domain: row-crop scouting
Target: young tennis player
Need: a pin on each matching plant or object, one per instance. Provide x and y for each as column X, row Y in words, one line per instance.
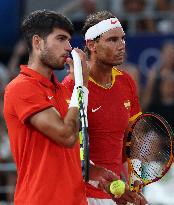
column 42, row 126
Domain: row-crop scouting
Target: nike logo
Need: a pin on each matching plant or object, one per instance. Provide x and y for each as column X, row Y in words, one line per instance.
column 113, row 22
column 68, row 101
column 50, row 97
column 94, row 110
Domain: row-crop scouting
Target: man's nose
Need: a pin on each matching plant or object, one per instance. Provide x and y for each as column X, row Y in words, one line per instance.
column 121, row 45
column 68, row 46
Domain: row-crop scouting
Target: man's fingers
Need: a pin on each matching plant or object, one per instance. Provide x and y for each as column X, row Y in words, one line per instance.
column 81, row 54
column 69, row 61
column 143, row 200
column 85, row 70
column 131, row 197
column 138, row 185
column 112, row 176
column 104, row 185
column 70, row 68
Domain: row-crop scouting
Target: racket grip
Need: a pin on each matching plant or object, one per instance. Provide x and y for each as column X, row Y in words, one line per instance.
column 77, row 68
column 136, row 189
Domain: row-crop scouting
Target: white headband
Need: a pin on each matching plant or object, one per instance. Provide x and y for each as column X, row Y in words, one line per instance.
column 102, row 27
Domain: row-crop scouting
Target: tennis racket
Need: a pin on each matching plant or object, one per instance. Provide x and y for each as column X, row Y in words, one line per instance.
column 83, row 132
column 149, row 149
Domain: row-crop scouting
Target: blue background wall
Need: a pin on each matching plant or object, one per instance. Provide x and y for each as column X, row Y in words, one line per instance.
column 10, row 15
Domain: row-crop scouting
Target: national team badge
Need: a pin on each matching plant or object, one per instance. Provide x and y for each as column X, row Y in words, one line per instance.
column 127, row 104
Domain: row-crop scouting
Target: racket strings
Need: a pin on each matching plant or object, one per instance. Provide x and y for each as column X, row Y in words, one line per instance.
column 150, row 148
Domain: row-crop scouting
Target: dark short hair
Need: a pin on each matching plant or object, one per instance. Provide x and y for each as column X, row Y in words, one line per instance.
column 93, row 19
column 42, row 23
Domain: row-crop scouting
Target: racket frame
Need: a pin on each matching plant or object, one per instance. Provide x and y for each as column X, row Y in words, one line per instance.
column 83, row 135
column 83, row 130
column 128, row 151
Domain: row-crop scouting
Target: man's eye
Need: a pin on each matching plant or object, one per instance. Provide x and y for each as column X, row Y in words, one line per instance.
column 113, row 39
column 61, row 38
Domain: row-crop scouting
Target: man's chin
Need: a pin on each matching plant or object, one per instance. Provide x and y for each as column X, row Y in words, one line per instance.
column 59, row 67
column 118, row 63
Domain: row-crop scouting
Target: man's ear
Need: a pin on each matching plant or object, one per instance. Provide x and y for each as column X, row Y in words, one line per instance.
column 91, row 45
column 36, row 42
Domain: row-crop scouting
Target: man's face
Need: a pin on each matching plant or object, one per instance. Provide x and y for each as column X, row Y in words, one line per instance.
column 55, row 49
column 110, row 48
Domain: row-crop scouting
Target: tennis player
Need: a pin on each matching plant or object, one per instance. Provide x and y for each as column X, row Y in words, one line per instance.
column 113, row 101
column 42, row 127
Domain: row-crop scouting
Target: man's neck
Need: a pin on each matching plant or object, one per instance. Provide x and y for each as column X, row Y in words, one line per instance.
column 101, row 74
column 40, row 68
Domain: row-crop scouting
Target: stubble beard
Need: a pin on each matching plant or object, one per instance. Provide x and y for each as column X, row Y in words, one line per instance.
column 111, row 63
column 49, row 60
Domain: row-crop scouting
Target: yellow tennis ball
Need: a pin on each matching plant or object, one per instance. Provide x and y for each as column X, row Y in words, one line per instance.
column 117, row 188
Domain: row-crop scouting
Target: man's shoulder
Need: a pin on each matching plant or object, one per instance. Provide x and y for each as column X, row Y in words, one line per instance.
column 119, row 72
column 124, row 77
column 18, row 83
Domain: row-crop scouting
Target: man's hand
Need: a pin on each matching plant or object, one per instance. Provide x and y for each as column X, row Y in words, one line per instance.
column 142, row 200
column 85, row 70
column 103, row 176
column 132, row 196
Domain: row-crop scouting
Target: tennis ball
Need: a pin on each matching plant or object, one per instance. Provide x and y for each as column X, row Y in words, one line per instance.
column 117, row 188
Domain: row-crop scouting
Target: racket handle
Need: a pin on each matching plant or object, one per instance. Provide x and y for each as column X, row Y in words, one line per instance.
column 77, row 68
column 133, row 179
column 137, row 188
column 135, row 185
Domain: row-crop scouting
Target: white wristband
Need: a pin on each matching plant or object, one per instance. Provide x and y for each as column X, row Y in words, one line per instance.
column 74, row 97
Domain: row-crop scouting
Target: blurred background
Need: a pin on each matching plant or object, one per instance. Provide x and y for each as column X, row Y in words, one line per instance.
column 149, row 27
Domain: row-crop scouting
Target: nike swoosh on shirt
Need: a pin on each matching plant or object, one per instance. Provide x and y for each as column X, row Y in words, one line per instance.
column 94, row 110
column 113, row 22
column 50, row 97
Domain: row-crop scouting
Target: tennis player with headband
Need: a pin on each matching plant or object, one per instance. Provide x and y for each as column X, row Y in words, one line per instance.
column 112, row 103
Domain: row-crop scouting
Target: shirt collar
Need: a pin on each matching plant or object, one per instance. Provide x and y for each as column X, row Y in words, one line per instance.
column 42, row 79
column 115, row 73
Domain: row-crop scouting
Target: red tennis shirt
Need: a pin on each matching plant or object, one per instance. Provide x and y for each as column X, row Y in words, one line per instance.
column 109, row 112
column 48, row 173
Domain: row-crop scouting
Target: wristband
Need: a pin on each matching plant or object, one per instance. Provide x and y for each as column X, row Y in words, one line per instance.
column 74, row 97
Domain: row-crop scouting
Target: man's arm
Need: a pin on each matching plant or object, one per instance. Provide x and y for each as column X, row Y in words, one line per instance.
column 63, row 131
column 102, row 179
